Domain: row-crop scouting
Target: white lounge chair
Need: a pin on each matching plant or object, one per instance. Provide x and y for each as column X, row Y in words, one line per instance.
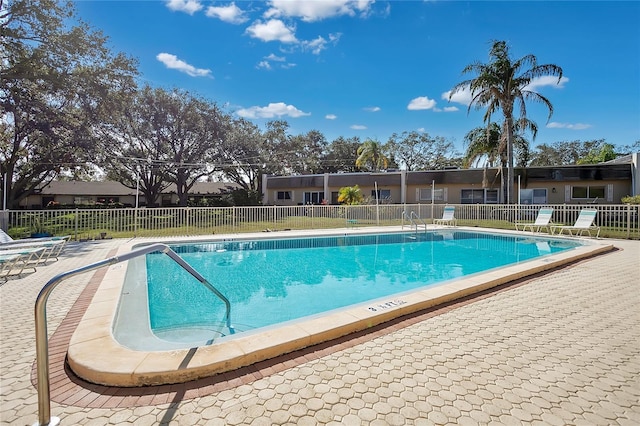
column 448, row 217
column 15, row 261
column 52, row 248
column 6, row 239
column 543, row 221
column 52, row 245
column 584, row 223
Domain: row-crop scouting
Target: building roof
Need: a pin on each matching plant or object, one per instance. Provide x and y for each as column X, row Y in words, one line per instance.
column 604, row 171
column 111, row 188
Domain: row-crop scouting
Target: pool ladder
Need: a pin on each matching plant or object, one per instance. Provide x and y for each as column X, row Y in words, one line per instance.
column 42, row 342
column 414, row 220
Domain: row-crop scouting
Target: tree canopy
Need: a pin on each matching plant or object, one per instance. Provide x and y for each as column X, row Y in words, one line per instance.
column 420, row 151
column 503, row 84
column 372, row 156
column 57, row 81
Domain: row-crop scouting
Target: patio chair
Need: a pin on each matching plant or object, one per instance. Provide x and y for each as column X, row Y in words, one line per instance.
column 19, row 259
column 447, row 217
column 6, row 239
column 584, row 223
column 543, row 221
column 53, row 246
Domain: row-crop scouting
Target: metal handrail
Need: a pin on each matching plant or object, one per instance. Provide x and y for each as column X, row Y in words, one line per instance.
column 42, row 343
column 414, row 214
column 406, row 216
column 410, row 217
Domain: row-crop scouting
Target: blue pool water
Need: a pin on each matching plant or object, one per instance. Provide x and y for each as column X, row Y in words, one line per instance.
column 272, row 281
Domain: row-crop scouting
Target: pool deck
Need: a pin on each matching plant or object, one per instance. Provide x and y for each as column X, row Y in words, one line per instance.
column 562, row 347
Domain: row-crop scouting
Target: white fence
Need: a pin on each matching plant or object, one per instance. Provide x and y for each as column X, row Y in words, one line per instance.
column 619, row 221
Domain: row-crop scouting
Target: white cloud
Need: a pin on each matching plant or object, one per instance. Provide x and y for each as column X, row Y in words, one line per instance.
column 275, row 58
column 421, row 130
column 450, row 109
column 319, row 44
column 330, row 116
column 358, row 127
column 278, row 109
column 421, row 102
column 372, row 109
column 231, row 13
column 546, row 80
column 311, row 11
column 272, row 30
column 186, row 6
column 264, row 65
column 316, row 45
column 576, row 126
column 172, row 62
column 460, row 97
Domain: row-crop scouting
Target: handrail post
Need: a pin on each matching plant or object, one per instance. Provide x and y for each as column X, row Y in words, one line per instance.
column 40, row 315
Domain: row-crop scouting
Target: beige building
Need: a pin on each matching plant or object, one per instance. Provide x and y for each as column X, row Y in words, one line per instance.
column 73, row 193
column 604, row 183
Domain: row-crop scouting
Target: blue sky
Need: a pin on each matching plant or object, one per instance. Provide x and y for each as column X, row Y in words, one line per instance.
column 371, row 68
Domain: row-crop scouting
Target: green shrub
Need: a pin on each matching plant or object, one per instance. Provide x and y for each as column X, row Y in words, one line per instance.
column 631, row 200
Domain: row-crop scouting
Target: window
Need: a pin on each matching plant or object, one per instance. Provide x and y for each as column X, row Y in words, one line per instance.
column 383, row 194
column 82, row 200
column 334, row 197
column 479, row 196
column 472, row 196
column 313, row 197
column 425, row 194
column 587, row 192
column 533, row 196
column 491, row 196
column 284, row 195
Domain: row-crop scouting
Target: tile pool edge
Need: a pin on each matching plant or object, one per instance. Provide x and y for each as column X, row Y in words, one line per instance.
column 97, row 357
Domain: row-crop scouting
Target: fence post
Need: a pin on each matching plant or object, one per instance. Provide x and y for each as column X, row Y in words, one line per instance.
column 628, row 221
column 4, row 220
column 313, row 226
column 75, row 237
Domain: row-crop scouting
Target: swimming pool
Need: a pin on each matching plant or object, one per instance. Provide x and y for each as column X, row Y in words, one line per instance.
column 269, row 282
column 97, row 353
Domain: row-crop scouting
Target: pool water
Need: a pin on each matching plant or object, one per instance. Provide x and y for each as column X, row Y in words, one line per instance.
column 273, row 281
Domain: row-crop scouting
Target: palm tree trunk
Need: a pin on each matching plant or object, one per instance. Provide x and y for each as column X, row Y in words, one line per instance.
column 509, row 125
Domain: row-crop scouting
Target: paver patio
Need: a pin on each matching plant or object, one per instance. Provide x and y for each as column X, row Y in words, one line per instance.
column 560, row 348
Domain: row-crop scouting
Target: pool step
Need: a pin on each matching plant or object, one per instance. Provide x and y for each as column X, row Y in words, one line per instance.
column 198, row 334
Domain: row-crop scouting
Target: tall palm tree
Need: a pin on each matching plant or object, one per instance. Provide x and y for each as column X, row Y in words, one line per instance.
column 371, row 155
column 502, row 84
column 489, row 143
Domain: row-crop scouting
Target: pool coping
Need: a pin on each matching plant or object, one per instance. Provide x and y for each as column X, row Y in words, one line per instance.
column 95, row 356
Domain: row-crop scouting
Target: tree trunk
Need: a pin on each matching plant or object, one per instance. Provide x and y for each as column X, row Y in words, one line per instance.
column 509, row 125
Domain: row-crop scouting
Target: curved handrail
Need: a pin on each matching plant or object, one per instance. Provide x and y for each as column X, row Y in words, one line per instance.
column 42, row 343
column 408, row 217
column 414, row 214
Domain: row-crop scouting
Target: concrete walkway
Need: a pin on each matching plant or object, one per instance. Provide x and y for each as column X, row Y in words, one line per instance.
column 562, row 348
